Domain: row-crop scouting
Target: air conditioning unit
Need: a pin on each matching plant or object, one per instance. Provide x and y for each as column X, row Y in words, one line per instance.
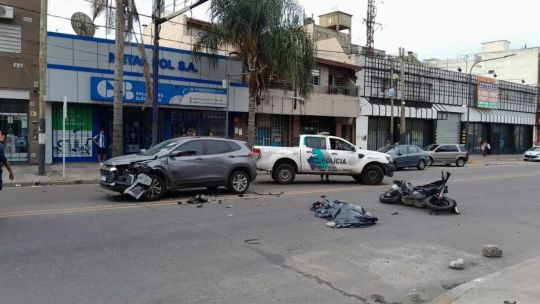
column 6, row 12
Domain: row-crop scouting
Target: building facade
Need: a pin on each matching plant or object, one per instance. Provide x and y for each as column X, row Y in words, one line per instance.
column 19, row 86
column 192, row 98
column 438, row 104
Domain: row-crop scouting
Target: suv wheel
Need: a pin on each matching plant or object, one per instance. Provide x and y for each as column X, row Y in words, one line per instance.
column 238, row 182
column 421, row 164
column 284, row 174
column 429, row 161
column 372, row 175
column 156, row 189
column 460, row 162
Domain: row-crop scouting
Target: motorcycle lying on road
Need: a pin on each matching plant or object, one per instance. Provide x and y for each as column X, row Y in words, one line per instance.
column 432, row 195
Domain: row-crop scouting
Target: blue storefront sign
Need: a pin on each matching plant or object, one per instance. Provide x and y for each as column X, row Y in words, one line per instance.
column 102, row 89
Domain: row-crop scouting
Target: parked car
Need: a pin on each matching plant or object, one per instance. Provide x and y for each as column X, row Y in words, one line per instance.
column 323, row 155
column 186, row 162
column 533, row 154
column 447, row 155
column 406, row 156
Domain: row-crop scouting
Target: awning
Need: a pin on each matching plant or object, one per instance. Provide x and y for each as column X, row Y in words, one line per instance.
column 500, row 116
column 376, row 109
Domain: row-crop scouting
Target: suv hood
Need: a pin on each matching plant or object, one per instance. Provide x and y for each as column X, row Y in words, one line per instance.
column 127, row 159
column 532, row 152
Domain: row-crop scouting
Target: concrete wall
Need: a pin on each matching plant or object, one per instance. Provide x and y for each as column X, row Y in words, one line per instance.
column 317, row 104
column 523, row 65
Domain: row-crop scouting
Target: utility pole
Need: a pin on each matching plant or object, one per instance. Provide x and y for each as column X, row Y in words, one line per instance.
column 158, row 20
column 402, row 129
column 155, row 71
column 392, row 97
column 42, row 86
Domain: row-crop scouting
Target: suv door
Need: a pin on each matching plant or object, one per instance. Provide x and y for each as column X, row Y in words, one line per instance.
column 187, row 169
column 453, row 153
column 218, row 160
column 343, row 155
column 314, row 153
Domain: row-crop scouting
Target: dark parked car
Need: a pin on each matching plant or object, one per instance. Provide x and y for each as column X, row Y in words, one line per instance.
column 405, row 156
column 447, row 155
column 186, row 162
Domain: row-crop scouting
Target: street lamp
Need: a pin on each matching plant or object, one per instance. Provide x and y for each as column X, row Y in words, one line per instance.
column 471, row 93
column 228, row 86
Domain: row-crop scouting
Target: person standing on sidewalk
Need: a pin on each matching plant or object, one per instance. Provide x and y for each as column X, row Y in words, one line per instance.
column 3, row 160
column 99, row 140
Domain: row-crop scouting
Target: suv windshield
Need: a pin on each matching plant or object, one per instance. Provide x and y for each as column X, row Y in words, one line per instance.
column 166, row 145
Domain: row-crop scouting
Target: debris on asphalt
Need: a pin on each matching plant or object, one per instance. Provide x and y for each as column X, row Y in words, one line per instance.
column 395, row 213
column 139, row 186
column 458, row 264
column 344, row 215
column 252, row 241
column 198, row 199
column 331, row 224
column 240, row 195
column 228, row 206
column 269, row 193
column 492, row 251
column 230, row 214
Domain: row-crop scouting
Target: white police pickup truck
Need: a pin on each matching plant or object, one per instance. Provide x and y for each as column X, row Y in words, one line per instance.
column 323, row 155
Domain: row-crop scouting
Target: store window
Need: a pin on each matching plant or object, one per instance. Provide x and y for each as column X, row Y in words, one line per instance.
column 14, row 122
column 76, row 142
column 316, row 77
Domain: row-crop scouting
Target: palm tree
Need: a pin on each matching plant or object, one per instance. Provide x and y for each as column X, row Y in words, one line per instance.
column 125, row 18
column 269, row 37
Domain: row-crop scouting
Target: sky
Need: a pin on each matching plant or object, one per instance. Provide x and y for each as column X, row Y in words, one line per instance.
column 430, row 28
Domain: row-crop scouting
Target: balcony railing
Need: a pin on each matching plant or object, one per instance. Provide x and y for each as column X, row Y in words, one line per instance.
column 339, row 90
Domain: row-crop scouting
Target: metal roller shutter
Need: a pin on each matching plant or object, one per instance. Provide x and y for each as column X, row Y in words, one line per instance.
column 448, row 129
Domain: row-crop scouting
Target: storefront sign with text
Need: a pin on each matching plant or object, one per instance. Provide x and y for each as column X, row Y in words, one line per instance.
column 487, row 93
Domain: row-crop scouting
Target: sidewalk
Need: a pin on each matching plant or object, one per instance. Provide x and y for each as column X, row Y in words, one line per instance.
column 491, row 160
column 88, row 173
column 516, row 284
column 76, row 173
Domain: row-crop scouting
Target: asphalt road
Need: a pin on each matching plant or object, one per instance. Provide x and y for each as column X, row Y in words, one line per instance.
column 81, row 244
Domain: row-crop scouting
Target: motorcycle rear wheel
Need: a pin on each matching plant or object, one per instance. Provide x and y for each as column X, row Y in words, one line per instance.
column 444, row 204
column 389, row 198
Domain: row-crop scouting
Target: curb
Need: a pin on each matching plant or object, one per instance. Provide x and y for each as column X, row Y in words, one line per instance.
column 52, row 183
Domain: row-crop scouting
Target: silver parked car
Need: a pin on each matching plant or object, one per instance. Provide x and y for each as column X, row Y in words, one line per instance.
column 533, row 154
column 447, row 155
column 186, row 162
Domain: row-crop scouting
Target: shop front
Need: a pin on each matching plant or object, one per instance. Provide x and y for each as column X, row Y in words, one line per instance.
column 14, row 122
column 192, row 98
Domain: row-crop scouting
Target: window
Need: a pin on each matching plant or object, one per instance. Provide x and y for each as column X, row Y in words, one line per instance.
column 316, row 77
column 340, row 81
column 414, row 150
column 403, row 150
column 217, row 147
column 233, row 146
column 315, row 142
column 194, row 145
column 442, row 149
column 453, row 149
column 338, row 144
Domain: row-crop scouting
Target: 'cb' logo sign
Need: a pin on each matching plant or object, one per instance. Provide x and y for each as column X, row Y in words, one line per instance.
column 105, row 90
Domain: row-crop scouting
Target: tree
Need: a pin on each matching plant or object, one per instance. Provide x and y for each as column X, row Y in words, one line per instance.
column 125, row 18
column 269, row 37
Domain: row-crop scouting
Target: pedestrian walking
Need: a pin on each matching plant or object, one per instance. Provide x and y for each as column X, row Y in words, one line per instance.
column 3, row 160
column 485, row 147
column 100, row 141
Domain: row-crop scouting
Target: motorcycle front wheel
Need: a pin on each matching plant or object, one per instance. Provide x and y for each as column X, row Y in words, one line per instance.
column 444, row 204
column 390, row 197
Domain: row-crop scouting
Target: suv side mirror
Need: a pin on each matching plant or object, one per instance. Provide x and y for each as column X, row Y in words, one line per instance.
column 142, row 150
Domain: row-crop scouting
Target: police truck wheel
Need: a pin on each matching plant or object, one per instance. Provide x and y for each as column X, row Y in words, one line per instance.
column 372, row 175
column 284, row 174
